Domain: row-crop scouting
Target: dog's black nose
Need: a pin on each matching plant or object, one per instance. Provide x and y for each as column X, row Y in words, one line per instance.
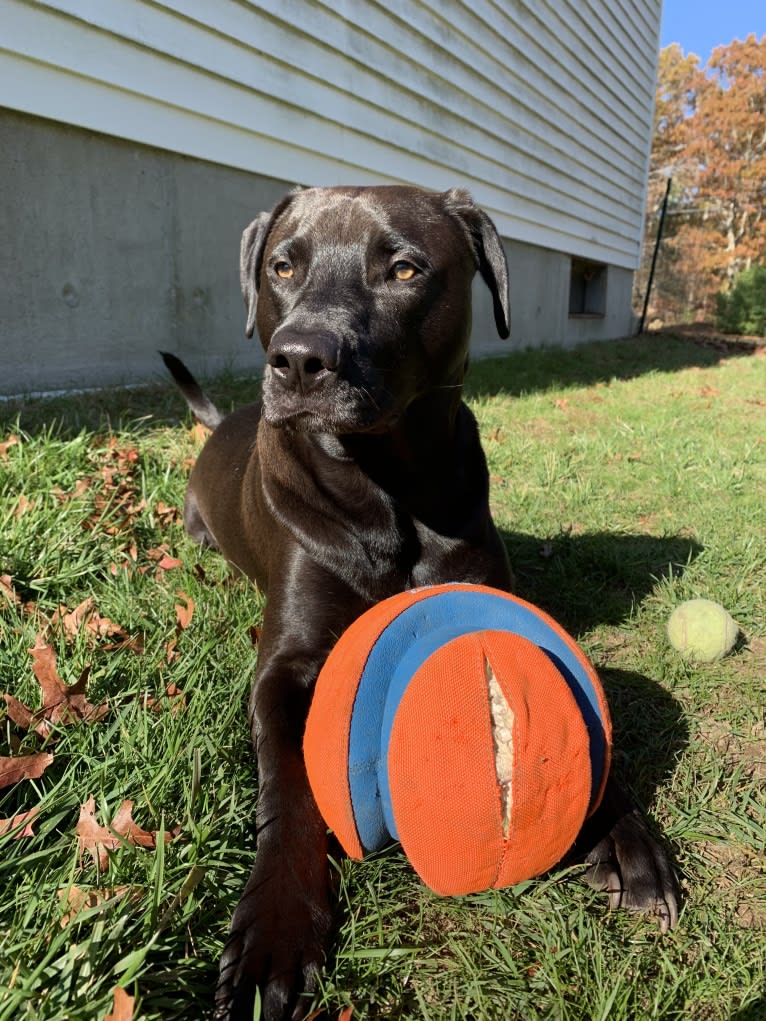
column 301, row 361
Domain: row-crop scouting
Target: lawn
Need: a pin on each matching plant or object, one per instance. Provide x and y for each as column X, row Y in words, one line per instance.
column 627, row 477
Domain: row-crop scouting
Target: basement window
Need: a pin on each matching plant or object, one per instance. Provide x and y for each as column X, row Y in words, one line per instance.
column 587, row 288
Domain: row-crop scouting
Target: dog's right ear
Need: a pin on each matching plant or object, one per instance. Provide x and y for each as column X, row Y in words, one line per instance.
column 251, row 249
column 250, row 256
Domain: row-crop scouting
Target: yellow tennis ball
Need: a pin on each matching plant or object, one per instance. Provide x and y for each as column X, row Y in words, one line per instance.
column 702, row 630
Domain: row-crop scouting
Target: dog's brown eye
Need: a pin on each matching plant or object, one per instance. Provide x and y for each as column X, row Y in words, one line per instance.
column 404, row 270
column 283, row 269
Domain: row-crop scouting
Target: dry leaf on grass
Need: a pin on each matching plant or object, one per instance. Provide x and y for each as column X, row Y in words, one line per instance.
column 12, row 441
column 171, row 654
column 24, row 717
column 166, row 514
column 7, row 590
column 21, row 823
column 184, row 610
column 86, row 616
column 345, row 1014
column 123, row 1006
column 199, row 433
column 74, row 899
column 162, row 558
column 98, row 840
column 168, row 563
column 22, row 506
column 65, row 495
column 62, row 704
column 174, row 697
column 23, row 767
column 116, row 497
column 136, row 643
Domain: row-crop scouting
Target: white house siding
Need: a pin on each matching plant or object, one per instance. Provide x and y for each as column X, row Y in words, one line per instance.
column 542, row 110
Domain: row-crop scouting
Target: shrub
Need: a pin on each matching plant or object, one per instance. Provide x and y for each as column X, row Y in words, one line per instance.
column 743, row 308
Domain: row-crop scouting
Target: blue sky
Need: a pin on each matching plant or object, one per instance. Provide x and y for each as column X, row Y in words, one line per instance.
column 699, row 25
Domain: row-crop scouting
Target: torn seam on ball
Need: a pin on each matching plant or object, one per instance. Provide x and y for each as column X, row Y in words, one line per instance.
column 502, row 719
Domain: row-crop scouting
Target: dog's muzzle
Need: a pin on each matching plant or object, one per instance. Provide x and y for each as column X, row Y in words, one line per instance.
column 303, row 362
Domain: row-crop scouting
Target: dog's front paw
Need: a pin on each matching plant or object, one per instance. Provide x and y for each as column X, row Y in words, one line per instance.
column 276, row 945
column 634, row 870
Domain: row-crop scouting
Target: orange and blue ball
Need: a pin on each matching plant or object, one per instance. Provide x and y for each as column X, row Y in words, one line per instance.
column 464, row 723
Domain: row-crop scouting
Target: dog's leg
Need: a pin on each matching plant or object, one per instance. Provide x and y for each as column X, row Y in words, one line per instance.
column 626, row 860
column 281, row 927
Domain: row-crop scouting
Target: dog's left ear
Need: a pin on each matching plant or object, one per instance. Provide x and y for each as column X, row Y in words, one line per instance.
column 251, row 256
column 488, row 252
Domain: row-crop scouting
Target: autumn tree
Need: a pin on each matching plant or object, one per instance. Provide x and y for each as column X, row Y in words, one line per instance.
column 710, row 137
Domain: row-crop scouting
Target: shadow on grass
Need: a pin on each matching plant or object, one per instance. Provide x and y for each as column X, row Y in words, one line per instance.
column 532, row 370
column 595, row 577
column 754, row 1012
column 650, row 731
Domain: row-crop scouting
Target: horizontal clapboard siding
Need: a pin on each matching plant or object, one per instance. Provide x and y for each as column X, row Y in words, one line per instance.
column 541, row 109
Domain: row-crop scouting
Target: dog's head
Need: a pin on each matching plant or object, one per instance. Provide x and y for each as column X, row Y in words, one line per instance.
column 362, row 299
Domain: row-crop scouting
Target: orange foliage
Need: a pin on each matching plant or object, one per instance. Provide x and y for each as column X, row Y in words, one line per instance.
column 710, row 137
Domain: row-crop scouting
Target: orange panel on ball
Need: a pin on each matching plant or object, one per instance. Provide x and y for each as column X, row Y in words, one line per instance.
column 442, row 767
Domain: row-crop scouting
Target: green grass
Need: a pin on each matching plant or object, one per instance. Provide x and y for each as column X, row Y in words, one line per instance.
column 626, row 478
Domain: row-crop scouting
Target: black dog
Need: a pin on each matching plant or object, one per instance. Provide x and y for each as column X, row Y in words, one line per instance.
column 361, row 475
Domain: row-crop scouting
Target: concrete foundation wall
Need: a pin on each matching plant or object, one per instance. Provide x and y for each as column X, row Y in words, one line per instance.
column 110, row 250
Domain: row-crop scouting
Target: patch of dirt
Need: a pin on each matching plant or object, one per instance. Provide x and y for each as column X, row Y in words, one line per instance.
column 741, row 876
column 707, row 335
column 746, row 749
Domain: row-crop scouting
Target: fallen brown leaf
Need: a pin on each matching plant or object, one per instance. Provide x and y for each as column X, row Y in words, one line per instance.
column 7, row 589
column 115, row 569
column 23, row 767
column 184, row 610
column 199, row 433
column 123, row 1006
column 24, row 717
column 173, row 695
column 74, row 899
column 158, row 552
column 168, row 563
column 86, row 616
column 22, row 506
column 98, row 840
column 65, row 495
column 24, row 820
column 171, row 654
column 135, row 643
column 164, row 562
column 166, row 514
column 345, row 1014
column 62, row 704
column 12, row 441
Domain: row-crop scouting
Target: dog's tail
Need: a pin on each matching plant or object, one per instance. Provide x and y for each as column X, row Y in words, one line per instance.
column 201, row 405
